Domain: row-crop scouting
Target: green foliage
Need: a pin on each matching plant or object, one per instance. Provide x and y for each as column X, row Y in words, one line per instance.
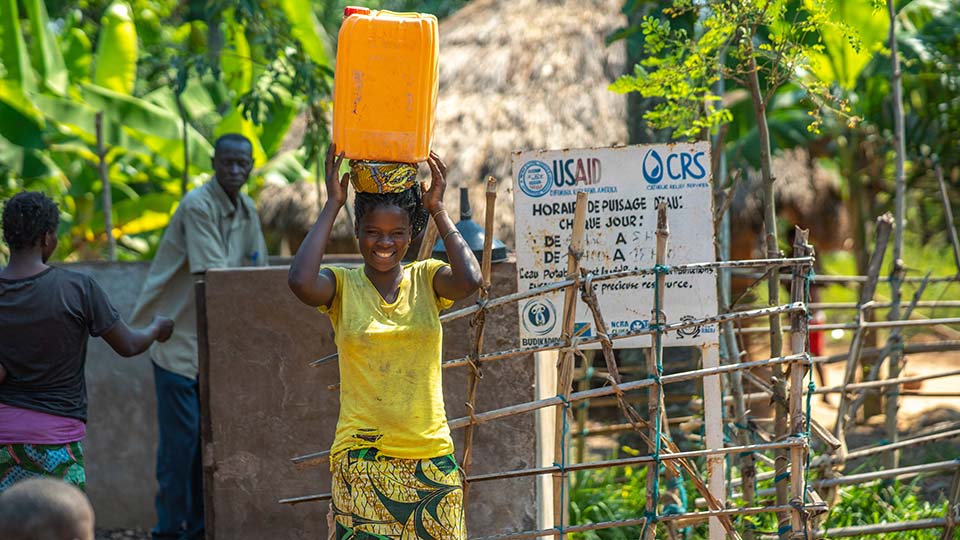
column 609, row 494
column 732, row 40
column 885, row 503
column 619, row 493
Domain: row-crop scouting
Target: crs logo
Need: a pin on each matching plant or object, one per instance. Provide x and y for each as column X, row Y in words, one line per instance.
column 691, row 331
column 539, row 316
column 535, row 178
column 677, row 166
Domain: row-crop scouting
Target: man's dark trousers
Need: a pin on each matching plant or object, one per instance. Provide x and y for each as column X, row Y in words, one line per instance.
column 179, row 501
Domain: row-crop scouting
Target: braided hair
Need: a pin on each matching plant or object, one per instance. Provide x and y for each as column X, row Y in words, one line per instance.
column 409, row 200
column 27, row 216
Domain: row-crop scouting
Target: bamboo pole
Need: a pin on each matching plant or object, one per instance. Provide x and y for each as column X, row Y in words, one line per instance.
column 106, row 191
column 865, row 386
column 897, row 270
column 473, row 378
column 637, row 460
column 426, row 246
column 884, row 225
column 839, row 279
column 317, row 458
column 866, row 452
column 682, row 520
column 717, row 319
column 948, row 214
column 894, row 342
column 874, row 306
column 565, row 370
column 864, row 326
column 882, row 528
column 864, row 478
column 625, row 426
column 655, row 395
column 798, row 345
column 917, row 348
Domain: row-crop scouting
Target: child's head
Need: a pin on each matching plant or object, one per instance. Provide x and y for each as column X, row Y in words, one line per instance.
column 30, row 219
column 45, row 509
column 387, row 222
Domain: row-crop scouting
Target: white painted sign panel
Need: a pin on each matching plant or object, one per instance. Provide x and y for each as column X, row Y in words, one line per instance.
column 625, row 184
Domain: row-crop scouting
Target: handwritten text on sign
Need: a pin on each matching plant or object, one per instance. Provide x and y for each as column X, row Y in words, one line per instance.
column 625, row 185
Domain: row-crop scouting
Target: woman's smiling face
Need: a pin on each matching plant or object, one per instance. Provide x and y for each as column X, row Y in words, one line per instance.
column 384, row 236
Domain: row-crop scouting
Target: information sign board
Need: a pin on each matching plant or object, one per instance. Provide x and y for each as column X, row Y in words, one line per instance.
column 625, row 185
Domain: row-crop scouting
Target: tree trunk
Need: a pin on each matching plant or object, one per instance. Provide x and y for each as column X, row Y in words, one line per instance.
column 773, row 283
column 896, row 273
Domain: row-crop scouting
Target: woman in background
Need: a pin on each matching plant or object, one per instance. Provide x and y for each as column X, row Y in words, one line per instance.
column 46, row 316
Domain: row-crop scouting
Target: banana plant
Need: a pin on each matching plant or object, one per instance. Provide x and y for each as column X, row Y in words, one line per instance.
column 50, row 96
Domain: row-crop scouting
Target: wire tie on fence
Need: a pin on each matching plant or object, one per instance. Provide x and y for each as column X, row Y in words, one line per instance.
column 661, row 269
column 781, row 477
column 785, row 529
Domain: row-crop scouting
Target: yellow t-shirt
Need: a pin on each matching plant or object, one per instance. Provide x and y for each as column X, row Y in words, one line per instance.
column 391, row 392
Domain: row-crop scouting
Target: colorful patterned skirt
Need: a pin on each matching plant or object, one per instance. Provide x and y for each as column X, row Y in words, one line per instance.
column 380, row 497
column 21, row 461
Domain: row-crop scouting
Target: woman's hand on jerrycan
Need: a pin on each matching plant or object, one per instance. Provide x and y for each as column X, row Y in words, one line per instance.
column 336, row 188
column 433, row 197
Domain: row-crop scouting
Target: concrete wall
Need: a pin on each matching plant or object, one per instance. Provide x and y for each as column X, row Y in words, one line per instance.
column 267, row 405
column 121, row 441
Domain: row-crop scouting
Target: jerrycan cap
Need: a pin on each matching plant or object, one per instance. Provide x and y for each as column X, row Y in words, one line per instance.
column 355, row 10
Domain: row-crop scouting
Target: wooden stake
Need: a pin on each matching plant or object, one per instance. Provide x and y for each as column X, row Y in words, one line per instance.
column 428, row 240
column 884, row 227
column 473, row 378
column 655, row 396
column 953, row 508
column 948, row 213
column 565, row 369
column 798, row 345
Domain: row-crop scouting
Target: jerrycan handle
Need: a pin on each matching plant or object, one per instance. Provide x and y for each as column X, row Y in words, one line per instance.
column 355, row 10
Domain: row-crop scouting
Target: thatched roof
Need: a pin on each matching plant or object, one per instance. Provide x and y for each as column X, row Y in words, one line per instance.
column 522, row 75
column 807, row 194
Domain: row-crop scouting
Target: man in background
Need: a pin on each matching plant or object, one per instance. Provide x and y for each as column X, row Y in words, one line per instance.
column 215, row 226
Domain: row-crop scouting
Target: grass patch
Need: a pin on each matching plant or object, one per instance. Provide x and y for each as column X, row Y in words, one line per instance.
column 619, row 493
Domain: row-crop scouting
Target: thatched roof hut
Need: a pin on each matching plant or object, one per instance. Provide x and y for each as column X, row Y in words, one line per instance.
column 517, row 75
column 807, row 194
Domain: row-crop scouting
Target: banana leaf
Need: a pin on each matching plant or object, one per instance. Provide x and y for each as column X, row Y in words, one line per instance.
column 235, row 60
column 838, row 61
column 305, row 28
column 115, row 63
column 235, row 122
column 77, row 55
column 158, row 128
column 13, row 49
column 46, row 50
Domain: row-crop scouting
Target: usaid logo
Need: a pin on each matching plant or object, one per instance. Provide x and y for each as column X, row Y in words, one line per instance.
column 539, row 316
column 535, row 178
column 677, row 166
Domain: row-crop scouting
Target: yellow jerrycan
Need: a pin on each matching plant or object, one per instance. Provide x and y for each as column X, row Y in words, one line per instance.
column 385, row 85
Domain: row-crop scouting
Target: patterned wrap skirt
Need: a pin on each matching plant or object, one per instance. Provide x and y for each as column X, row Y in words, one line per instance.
column 22, row 461
column 380, row 497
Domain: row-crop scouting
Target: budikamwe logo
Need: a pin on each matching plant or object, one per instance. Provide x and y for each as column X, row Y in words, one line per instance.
column 539, row 316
